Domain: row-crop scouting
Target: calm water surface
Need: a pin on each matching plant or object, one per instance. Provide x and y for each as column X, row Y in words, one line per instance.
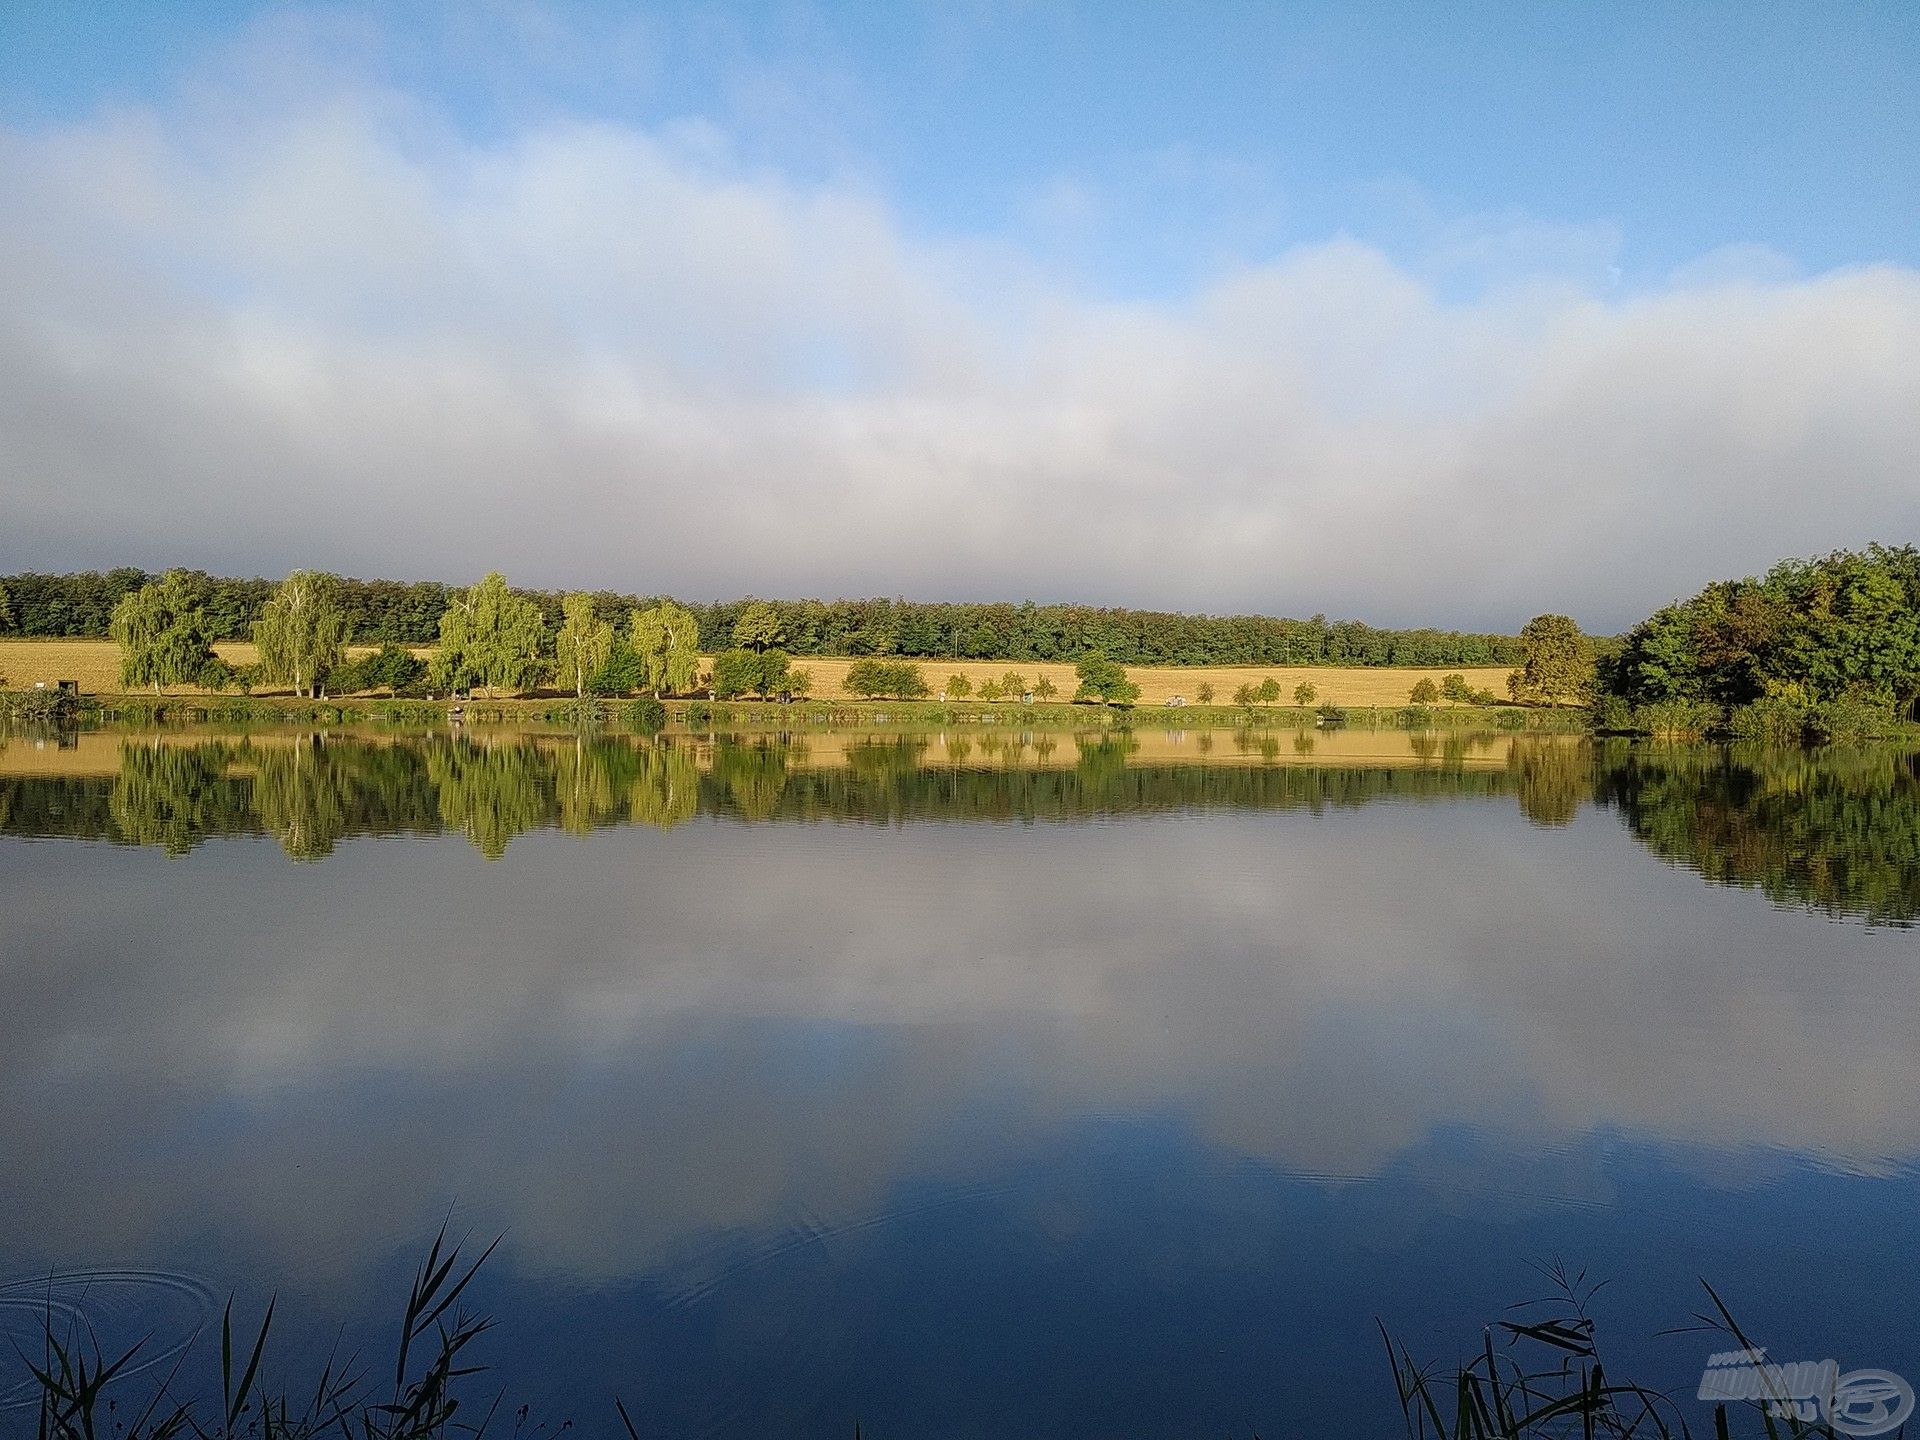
column 966, row 1086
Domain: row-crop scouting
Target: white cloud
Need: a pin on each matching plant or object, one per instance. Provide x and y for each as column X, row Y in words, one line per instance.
column 307, row 322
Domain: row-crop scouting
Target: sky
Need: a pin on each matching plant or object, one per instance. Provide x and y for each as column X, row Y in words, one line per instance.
column 1411, row 313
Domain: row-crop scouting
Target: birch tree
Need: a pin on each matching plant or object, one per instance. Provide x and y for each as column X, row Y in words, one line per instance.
column 667, row 640
column 302, row 631
column 490, row 637
column 583, row 644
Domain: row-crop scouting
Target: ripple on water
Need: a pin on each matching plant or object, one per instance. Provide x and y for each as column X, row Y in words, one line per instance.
column 160, row 1310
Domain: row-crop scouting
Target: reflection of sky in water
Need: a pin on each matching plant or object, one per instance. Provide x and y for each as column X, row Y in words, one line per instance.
column 962, row 1124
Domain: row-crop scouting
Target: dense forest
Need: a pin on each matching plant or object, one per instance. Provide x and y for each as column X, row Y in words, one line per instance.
column 408, row 613
column 1820, row 647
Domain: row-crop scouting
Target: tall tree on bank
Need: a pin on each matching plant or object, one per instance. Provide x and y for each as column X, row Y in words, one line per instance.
column 6, row 611
column 667, row 640
column 489, row 637
column 163, row 633
column 583, row 644
column 302, row 631
column 1101, row 679
column 1558, row 667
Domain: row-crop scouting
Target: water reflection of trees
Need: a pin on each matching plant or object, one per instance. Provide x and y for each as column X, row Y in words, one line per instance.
column 1835, row 830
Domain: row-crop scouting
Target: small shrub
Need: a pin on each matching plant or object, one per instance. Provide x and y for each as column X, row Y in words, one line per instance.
column 1846, row 721
column 1613, row 714
column 1678, row 717
column 214, row 674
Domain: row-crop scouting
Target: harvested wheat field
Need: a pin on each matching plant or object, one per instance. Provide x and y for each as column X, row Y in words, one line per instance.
column 1381, row 685
column 95, row 665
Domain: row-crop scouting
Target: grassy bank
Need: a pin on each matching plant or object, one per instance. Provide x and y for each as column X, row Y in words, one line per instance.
column 42, row 706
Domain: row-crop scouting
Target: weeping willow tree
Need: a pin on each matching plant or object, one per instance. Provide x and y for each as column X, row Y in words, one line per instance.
column 301, row 632
column 163, row 632
column 667, row 640
column 490, row 637
column 583, row 644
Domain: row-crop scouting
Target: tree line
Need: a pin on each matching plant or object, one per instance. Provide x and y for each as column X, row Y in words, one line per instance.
column 492, row 638
column 379, row 612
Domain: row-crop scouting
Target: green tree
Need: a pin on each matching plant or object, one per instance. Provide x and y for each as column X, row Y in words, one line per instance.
column 394, row 669
column 1424, row 691
column 959, row 687
column 583, row 644
column 1269, row 691
column 1456, row 689
column 990, row 689
column 490, row 637
column 621, row 673
column 1557, row 665
column 776, row 671
column 7, row 621
column 736, row 672
column 667, row 639
column 896, row 678
column 301, row 632
column 1304, row 693
column 799, row 682
column 1204, row 694
column 1245, row 696
column 1044, row 688
column 1013, row 684
column 163, row 633
column 759, row 627
column 1103, row 679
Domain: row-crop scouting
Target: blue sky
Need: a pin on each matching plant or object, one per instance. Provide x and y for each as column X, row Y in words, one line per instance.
column 1291, row 281
column 1190, row 134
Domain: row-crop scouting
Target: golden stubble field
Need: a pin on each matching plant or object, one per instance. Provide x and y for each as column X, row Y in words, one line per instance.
column 95, row 665
column 1385, row 685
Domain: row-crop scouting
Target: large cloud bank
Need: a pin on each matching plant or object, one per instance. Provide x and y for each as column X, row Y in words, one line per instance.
column 269, row 322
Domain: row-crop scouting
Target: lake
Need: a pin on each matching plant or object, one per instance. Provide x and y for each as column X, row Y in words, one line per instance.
column 962, row 1084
